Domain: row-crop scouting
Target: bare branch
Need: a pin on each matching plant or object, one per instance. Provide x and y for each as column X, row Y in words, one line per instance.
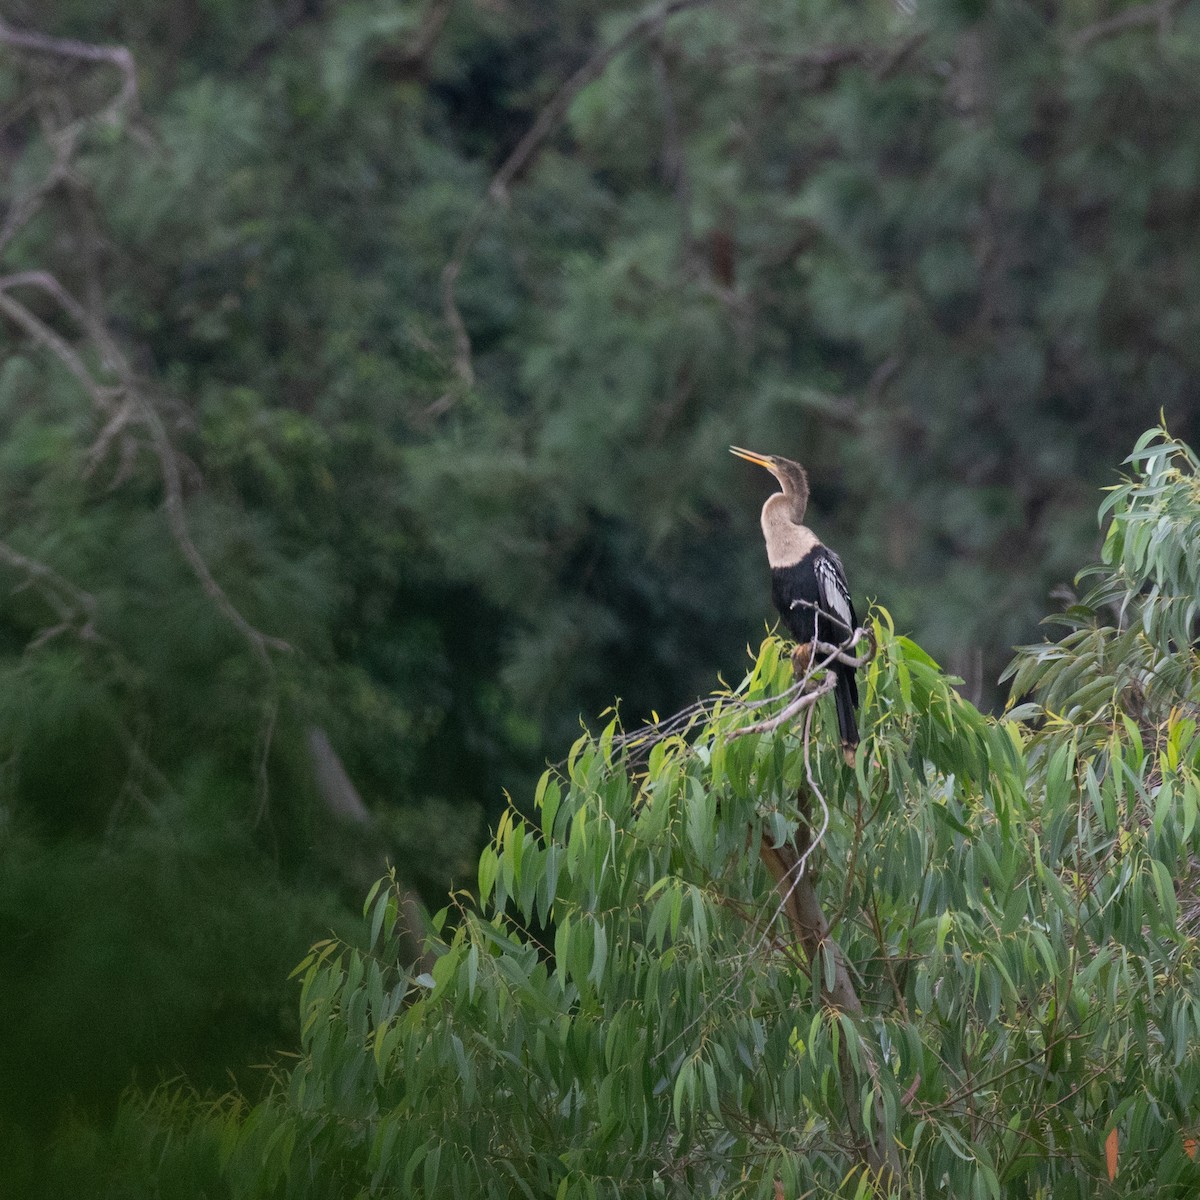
column 116, row 56
column 40, row 332
column 1158, row 13
column 806, row 700
column 23, row 207
column 65, row 138
column 74, row 607
column 116, row 362
column 809, row 696
column 122, row 403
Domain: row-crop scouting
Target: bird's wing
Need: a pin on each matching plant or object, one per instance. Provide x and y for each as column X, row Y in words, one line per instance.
column 835, row 592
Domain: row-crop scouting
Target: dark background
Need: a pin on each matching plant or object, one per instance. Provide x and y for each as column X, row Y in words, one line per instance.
column 947, row 258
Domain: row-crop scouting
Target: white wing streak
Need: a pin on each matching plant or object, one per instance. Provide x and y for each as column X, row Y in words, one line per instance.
column 835, row 596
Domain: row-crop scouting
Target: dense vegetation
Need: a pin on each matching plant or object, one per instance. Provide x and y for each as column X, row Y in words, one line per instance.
column 948, row 257
column 649, row 1000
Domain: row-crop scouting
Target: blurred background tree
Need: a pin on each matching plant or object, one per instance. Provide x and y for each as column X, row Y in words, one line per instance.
column 947, row 256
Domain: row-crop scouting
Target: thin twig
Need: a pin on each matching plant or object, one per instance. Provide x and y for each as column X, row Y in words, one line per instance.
column 73, row 606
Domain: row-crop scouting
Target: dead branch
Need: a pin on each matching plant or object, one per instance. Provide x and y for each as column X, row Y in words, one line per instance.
column 411, row 58
column 806, row 699
column 23, row 207
column 136, row 407
column 525, row 152
column 65, row 139
column 795, row 699
column 147, row 415
column 116, row 56
column 41, row 333
column 260, row 642
column 74, row 607
column 1158, row 13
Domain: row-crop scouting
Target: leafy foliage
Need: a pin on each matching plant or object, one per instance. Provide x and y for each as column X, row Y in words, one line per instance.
column 1126, row 654
column 625, row 1013
column 946, row 256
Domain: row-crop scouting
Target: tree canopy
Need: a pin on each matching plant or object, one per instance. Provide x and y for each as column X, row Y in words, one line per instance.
column 976, row 972
column 365, row 376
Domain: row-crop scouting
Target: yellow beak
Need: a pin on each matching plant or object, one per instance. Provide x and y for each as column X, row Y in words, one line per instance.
column 760, row 460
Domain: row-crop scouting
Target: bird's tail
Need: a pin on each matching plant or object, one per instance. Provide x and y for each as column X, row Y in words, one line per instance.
column 845, row 696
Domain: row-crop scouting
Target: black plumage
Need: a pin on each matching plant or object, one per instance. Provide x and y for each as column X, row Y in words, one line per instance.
column 808, row 583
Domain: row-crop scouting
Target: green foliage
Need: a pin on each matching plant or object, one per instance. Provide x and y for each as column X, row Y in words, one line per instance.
column 1126, row 653
column 947, row 257
column 624, row 1012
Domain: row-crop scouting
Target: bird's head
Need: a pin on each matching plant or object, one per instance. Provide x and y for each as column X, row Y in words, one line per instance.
column 793, row 479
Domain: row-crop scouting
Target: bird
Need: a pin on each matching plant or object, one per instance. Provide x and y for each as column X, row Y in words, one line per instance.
column 808, row 585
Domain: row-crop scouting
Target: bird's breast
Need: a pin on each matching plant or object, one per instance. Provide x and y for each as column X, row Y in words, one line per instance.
column 788, row 544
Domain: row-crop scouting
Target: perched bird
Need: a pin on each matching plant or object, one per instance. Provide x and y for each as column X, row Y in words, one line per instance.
column 808, row 584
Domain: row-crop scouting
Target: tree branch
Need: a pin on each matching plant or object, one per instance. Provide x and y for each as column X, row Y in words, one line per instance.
column 412, row 57
column 1158, row 13
column 73, row 606
column 116, row 56
column 786, row 864
column 139, row 408
column 115, row 361
column 798, row 901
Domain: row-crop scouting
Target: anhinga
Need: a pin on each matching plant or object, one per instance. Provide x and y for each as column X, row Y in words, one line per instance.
column 808, row 583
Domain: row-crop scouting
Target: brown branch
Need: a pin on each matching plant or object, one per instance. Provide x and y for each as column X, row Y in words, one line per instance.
column 116, row 56
column 786, row 864
column 410, row 59
column 1157, row 13
column 794, row 882
column 525, row 152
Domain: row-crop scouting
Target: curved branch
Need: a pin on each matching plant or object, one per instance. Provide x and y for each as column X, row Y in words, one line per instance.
column 1158, row 13
column 74, row 607
column 116, row 362
column 116, row 56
